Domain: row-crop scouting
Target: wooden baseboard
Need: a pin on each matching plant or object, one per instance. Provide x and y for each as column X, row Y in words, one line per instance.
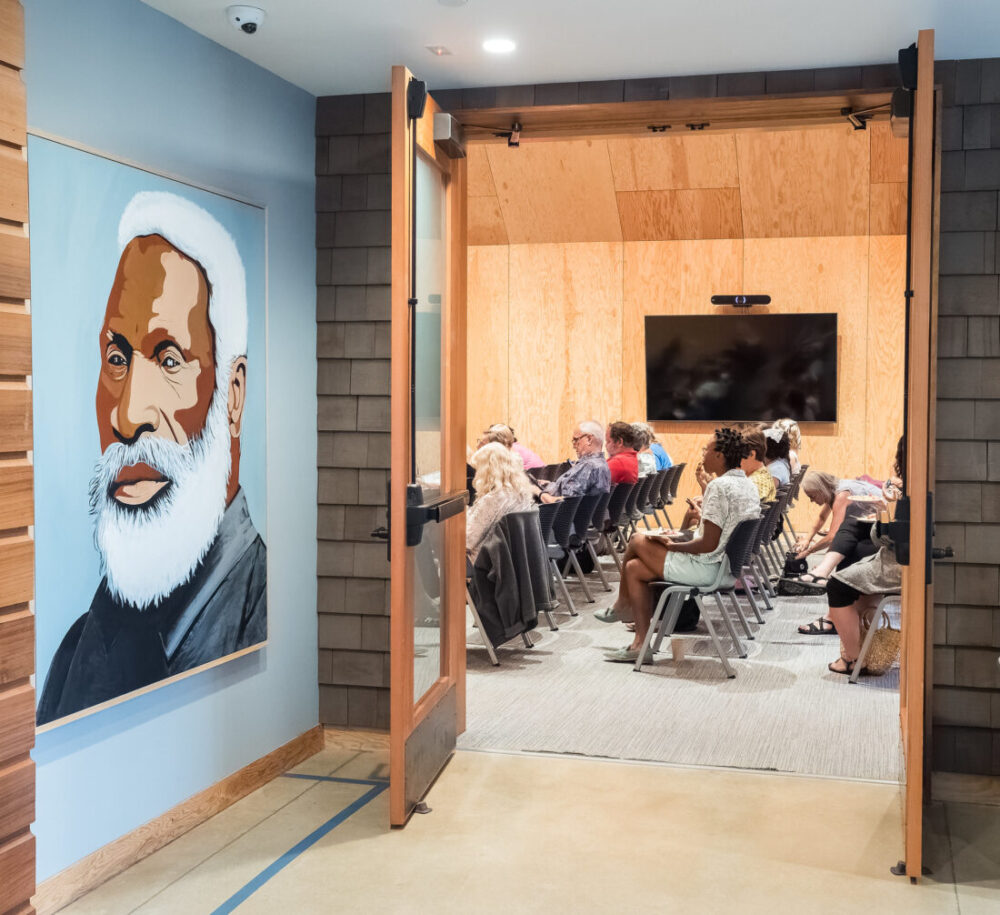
column 356, row 739
column 965, row 789
column 113, row 858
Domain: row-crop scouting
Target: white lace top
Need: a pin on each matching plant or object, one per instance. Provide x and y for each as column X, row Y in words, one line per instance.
column 486, row 511
column 728, row 500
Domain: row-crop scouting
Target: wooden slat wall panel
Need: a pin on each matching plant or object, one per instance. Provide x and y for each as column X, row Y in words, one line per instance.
column 12, row 34
column 17, row 548
column 14, row 282
column 888, row 152
column 17, row 506
column 15, row 342
column 486, row 225
column 17, row 648
column 15, row 417
column 888, row 208
column 487, row 335
column 17, row 799
column 674, row 163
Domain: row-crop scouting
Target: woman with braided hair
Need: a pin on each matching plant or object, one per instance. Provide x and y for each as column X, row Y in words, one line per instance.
column 729, row 499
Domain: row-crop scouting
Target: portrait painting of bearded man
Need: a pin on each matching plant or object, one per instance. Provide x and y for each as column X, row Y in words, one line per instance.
column 184, row 569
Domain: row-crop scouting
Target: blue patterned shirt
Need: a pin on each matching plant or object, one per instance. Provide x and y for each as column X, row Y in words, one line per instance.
column 586, row 477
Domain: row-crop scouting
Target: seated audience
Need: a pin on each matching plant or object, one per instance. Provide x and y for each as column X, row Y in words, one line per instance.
column 854, row 587
column 794, row 441
column 641, row 440
column 776, row 459
column 623, row 461
column 753, row 464
column 530, row 459
column 663, row 460
column 501, row 487
column 847, row 532
column 729, row 499
column 586, row 476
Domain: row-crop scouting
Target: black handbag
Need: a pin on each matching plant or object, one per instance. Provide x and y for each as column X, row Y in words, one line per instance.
column 794, row 566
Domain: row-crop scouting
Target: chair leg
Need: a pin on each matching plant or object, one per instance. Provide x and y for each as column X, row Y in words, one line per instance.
column 767, row 589
column 527, row 642
column 738, row 647
column 666, row 514
column 715, row 640
column 646, row 642
column 748, row 591
column 863, row 654
column 597, row 565
column 740, row 615
column 613, row 551
column 580, row 577
column 494, row 660
column 668, row 618
column 645, row 520
column 656, row 515
column 565, row 590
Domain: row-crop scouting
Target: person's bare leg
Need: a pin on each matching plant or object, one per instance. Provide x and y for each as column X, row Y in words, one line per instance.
column 647, row 566
column 622, row 605
column 824, row 568
column 848, row 623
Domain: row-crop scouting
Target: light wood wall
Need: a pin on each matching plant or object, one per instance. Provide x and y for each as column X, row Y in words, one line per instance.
column 555, row 324
column 17, row 631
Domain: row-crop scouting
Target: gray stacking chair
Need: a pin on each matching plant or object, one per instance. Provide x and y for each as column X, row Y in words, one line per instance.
column 558, row 545
column 673, row 595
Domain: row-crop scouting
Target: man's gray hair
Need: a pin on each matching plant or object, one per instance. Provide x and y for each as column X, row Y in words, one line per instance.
column 593, row 429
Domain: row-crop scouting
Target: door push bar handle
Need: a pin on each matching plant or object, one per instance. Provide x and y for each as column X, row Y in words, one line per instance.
column 418, row 513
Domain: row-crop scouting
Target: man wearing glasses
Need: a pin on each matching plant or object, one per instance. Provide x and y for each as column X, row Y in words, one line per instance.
column 588, row 475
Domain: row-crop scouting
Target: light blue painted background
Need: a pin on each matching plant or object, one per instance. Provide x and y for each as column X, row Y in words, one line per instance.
column 76, row 202
column 122, row 78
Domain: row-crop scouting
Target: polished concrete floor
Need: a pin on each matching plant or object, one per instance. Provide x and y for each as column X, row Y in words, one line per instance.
column 516, row 833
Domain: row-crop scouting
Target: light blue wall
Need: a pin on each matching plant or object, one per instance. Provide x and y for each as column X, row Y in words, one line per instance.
column 122, row 78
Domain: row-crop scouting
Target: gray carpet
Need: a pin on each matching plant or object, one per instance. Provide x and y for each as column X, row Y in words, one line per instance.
column 783, row 712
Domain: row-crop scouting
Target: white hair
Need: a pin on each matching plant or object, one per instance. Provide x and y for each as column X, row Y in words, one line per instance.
column 149, row 551
column 199, row 236
column 594, row 429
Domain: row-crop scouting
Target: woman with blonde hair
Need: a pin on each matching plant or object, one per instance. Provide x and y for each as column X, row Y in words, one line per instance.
column 794, row 441
column 501, row 487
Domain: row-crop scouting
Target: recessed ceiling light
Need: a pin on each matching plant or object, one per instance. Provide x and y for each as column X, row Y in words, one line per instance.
column 499, row 45
column 438, row 50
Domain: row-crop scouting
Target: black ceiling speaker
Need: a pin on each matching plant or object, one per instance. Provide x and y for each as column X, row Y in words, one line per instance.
column 908, row 67
column 416, row 98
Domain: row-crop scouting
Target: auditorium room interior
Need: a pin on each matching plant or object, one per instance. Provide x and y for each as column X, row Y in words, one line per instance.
column 572, row 243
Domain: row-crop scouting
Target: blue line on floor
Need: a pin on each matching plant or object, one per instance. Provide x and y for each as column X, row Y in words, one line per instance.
column 337, row 778
column 241, row 895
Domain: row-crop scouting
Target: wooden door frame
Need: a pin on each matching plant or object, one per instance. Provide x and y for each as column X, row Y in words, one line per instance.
column 784, row 111
column 407, row 712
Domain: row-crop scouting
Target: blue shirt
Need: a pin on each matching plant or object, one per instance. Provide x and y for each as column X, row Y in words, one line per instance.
column 662, row 458
column 781, row 472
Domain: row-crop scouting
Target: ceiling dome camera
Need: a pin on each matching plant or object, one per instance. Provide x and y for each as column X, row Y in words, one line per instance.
column 245, row 18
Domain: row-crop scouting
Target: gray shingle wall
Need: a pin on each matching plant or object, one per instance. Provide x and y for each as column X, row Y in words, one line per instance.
column 352, row 349
column 353, row 309
column 967, row 590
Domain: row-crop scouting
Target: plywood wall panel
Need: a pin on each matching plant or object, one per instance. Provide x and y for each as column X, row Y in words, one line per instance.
column 14, row 265
column 11, row 33
column 485, row 222
column 12, row 101
column 678, row 215
column 480, row 178
column 17, row 506
column 15, row 342
column 17, row 648
column 13, row 185
column 888, row 209
column 888, row 153
column 886, row 342
column 556, row 192
column 15, row 419
column 664, row 163
column 488, row 339
column 802, row 183
column 565, row 341
column 17, row 796
column 17, row 722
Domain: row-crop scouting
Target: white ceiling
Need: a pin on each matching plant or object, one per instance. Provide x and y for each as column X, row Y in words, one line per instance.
column 332, row 47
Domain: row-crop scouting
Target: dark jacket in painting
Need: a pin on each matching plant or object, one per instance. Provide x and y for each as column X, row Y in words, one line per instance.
column 115, row 649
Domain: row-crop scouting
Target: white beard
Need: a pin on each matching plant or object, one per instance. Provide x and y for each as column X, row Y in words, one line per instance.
column 148, row 552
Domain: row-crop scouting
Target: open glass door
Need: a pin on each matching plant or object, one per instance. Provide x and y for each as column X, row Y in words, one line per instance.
column 916, row 679
column 427, row 478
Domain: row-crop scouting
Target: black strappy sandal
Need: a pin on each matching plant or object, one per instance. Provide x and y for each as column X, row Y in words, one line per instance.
column 849, row 665
column 822, row 626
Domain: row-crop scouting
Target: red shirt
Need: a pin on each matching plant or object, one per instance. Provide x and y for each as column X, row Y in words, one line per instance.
column 624, row 467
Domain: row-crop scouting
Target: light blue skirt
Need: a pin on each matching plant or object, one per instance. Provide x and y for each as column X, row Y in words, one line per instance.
column 685, row 569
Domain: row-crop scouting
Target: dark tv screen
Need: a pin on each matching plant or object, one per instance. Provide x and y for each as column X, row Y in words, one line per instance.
column 741, row 367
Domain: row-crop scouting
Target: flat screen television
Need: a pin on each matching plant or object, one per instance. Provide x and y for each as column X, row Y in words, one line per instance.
column 741, row 367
